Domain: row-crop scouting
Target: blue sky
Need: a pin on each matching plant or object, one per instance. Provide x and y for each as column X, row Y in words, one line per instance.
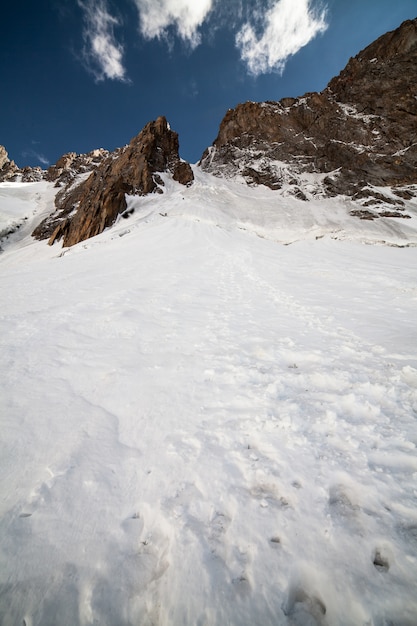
column 82, row 74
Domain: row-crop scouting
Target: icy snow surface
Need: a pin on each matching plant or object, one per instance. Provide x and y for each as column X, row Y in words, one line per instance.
column 203, row 426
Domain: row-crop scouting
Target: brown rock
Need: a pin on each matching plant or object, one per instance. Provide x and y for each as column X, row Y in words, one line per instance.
column 362, row 126
column 8, row 169
column 4, row 157
column 85, row 210
column 63, row 164
column 70, row 165
column 32, row 174
column 183, row 173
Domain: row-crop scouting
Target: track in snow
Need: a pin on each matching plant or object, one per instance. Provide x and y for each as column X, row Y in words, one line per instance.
column 203, row 427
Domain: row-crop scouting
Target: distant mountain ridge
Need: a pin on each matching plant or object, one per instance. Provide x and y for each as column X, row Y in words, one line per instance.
column 357, row 138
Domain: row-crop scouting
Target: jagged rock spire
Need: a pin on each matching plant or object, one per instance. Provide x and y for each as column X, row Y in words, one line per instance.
column 87, row 209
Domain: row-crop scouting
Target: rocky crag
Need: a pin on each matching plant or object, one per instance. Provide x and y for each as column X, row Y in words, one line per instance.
column 9, row 171
column 64, row 172
column 84, row 209
column 357, row 134
column 68, row 168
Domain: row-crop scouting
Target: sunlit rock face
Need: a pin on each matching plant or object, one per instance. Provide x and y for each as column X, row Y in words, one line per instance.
column 8, row 169
column 360, row 130
column 85, row 208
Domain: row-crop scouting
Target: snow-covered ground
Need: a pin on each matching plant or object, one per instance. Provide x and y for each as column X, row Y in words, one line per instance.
column 203, row 426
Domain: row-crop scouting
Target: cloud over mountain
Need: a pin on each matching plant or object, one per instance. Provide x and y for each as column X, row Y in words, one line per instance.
column 286, row 27
column 102, row 53
column 265, row 35
column 37, row 155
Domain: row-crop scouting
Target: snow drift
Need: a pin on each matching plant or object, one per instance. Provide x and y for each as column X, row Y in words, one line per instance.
column 202, row 425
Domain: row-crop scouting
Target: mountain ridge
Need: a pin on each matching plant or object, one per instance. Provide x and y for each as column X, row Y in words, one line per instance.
column 360, row 127
column 86, row 209
column 353, row 139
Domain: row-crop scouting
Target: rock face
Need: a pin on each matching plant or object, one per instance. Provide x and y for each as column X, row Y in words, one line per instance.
column 70, row 165
column 362, row 128
column 8, row 169
column 86, row 209
column 4, row 157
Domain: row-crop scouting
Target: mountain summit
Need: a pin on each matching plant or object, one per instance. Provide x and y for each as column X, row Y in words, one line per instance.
column 357, row 133
column 87, row 208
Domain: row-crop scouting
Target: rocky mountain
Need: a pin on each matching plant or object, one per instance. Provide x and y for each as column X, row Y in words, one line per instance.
column 66, row 169
column 357, row 134
column 4, row 161
column 357, row 138
column 9, row 171
column 70, row 165
column 85, row 208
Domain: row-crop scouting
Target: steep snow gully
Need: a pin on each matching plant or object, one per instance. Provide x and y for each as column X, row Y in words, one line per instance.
column 201, row 425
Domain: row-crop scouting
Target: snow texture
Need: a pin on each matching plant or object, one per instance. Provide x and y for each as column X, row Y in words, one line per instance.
column 201, row 425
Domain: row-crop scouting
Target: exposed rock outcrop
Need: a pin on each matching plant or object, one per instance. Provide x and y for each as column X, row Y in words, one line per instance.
column 32, row 174
column 86, row 209
column 362, row 128
column 4, row 157
column 8, row 169
column 70, row 165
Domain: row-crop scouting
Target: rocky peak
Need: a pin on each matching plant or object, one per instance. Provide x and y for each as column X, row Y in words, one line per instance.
column 70, row 165
column 85, row 208
column 4, row 157
column 8, row 169
column 381, row 79
column 396, row 42
column 31, row 174
column 64, row 163
column 361, row 128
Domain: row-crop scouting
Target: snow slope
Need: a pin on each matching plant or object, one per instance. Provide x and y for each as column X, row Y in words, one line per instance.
column 201, row 425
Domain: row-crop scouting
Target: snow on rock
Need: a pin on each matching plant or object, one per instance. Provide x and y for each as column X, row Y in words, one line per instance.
column 20, row 204
column 201, row 425
column 361, row 125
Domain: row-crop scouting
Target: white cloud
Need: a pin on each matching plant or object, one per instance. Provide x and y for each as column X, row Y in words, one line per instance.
column 102, row 53
column 186, row 16
column 42, row 159
column 287, row 26
column 36, row 155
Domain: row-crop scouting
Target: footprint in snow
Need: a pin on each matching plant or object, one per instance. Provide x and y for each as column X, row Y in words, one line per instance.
column 339, row 500
column 304, row 608
column 275, row 542
column 241, row 584
column 409, row 532
column 380, row 561
column 218, row 526
column 342, row 509
column 268, row 495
